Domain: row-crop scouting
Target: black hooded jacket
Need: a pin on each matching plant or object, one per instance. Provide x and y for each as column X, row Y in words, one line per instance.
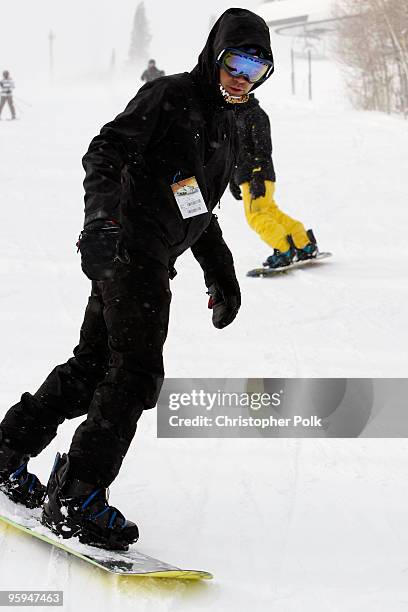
column 176, row 127
column 255, row 143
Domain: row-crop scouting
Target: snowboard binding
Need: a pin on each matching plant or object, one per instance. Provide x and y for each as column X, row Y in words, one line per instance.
column 16, row 482
column 279, row 260
column 309, row 251
column 74, row 508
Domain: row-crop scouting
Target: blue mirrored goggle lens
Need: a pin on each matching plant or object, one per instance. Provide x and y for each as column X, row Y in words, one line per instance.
column 241, row 65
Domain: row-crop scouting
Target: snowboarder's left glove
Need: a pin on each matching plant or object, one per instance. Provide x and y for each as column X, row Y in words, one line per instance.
column 101, row 249
column 257, row 186
column 225, row 301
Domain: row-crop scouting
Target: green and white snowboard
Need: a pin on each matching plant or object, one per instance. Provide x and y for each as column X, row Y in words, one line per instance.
column 129, row 563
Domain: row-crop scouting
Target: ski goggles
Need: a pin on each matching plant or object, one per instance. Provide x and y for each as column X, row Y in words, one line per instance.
column 239, row 63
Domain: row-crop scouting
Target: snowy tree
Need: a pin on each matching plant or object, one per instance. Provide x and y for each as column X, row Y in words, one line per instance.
column 373, row 48
column 140, row 37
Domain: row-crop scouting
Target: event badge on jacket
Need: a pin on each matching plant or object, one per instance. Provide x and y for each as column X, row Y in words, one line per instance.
column 189, row 198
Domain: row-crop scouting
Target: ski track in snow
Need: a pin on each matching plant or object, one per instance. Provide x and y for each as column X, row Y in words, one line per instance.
column 284, row 525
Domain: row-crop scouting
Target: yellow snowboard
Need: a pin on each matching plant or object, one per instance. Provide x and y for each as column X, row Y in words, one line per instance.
column 129, row 563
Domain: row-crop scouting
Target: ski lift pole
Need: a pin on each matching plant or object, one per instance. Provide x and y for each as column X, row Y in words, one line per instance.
column 51, row 38
column 292, row 59
column 309, row 56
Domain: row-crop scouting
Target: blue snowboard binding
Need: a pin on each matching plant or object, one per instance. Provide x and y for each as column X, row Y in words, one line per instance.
column 16, row 482
column 74, row 508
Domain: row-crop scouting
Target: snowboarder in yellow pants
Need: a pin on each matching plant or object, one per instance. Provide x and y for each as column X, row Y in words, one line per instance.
column 271, row 223
column 254, row 182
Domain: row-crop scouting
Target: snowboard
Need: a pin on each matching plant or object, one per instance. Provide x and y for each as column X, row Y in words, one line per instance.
column 129, row 563
column 266, row 272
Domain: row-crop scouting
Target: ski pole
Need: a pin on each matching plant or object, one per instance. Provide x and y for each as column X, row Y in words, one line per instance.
column 23, row 101
column 18, row 107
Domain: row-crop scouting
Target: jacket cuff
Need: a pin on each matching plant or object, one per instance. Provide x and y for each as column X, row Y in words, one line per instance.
column 98, row 216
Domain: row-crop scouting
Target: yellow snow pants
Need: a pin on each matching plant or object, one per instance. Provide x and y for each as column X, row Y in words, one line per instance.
column 271, row 223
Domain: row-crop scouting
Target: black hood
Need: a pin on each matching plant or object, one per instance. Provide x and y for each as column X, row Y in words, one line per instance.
column 235, row 28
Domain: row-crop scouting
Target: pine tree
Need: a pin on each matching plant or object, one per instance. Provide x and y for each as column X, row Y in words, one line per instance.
column 140, row 37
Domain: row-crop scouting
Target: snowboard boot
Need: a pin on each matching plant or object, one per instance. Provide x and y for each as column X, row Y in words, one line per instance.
column 309, row 251
column 279, row 259
column 16, row 482
column 74, row 508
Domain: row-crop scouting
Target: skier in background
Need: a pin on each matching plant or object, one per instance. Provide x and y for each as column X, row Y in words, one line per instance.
column 6, row 93
column 152, row 72
column 180, row 127
column 254, row 181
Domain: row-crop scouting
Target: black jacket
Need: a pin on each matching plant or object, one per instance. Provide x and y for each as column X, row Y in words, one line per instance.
column 255, row 143
column 176, row 126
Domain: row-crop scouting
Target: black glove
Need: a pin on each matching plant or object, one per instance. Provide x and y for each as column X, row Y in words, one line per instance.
column 257, row 186
column 101, row 249
column 225, row 301
column 235, row 190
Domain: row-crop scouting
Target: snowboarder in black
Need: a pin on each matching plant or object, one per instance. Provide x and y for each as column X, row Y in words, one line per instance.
column 178, row 132
column 152, row 72
column 6, row 93
column 254, row 181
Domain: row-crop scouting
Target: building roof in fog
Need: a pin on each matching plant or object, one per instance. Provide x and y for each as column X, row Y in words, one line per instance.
column 287, row 12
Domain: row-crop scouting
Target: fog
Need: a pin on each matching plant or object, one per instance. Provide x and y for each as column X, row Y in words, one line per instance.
column 86, row 31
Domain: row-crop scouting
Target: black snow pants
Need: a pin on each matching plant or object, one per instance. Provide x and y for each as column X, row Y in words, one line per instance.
column 116, row 373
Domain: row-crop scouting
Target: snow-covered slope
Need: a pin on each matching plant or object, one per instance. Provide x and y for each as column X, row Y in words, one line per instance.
column 283, row 524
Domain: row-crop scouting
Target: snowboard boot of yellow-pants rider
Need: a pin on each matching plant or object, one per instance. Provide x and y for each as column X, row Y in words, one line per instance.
column 287, row 236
